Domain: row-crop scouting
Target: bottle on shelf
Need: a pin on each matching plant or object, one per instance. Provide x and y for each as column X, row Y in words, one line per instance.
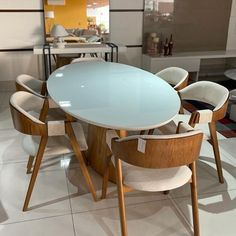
column 156, row 44
column 166, row 47
column 160, row 50
column 170, row 46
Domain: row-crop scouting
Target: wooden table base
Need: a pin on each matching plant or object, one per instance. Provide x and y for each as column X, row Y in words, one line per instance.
column 98, row 151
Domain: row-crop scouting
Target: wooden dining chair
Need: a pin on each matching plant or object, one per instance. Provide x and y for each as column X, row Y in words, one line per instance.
column 211, row 94
column 38, row 87
column 175, row 76
column 41, row 138
column 30, row 84
column 155, row 163
column 86, row 59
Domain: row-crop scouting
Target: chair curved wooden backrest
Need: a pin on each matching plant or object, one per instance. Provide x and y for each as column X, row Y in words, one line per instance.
column 21, row 103
column 30, row 84
column 157, row 152
column 175, row 76
column 162, row 151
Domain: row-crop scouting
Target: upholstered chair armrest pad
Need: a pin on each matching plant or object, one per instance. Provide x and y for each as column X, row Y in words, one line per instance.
column 52, row 104
column 205, row 116
column 184, row 127
column 56, row 128
column 111, row 134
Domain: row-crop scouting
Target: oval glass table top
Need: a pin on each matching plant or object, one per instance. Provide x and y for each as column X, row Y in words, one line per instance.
column 113, row 95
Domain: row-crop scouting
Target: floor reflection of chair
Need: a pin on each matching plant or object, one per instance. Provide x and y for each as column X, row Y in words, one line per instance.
column 155, row 163
column 43, row 138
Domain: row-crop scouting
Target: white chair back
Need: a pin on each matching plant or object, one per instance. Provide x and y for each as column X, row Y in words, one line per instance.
column 206, row 91
column 173, row 75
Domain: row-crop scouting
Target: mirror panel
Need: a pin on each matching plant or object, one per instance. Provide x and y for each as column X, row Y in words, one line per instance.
column 84, row 20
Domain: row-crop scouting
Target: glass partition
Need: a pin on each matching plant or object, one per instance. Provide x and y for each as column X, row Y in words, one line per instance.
column 83, row 20
column 189, row 25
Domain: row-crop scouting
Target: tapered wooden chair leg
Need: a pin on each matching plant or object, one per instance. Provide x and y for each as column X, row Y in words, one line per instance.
column 194, row 197
column 30, row 164
column 87, row 177
column 76, row 149
column 216, row 150
column 38, row 160
column 106, row 177
column 121, row 198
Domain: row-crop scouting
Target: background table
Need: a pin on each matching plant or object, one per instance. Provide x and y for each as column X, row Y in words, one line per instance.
column 112, row 95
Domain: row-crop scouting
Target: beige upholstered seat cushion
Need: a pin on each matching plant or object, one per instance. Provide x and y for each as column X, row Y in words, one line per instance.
column 56, row 145
column 154, row 180
column 171, row 127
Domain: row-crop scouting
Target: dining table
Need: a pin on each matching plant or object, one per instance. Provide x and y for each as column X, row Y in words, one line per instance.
column 109, row 95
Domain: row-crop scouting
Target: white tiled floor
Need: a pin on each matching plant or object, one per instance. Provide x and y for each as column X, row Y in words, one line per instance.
column 61, row 204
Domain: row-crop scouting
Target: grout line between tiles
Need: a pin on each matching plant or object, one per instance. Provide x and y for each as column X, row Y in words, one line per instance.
column 113, row 207
column 46, row 217
column 67, row 185
column 186, row 221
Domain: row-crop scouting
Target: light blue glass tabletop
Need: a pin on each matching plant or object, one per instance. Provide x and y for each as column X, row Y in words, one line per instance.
column 113, row 95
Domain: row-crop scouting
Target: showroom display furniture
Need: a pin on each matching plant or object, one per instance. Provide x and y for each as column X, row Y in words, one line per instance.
column 210, row 93
column 231, row 73
column 175, row 76
column 38, row 87
column 46, row 138
column 112, row 95
column 160, row 163
column 189, row 61
column 31, row 84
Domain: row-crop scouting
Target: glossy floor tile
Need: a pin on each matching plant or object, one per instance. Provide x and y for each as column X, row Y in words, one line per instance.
column 153, row 218
column 49, row 198
column 59, row 226
column 217, row 212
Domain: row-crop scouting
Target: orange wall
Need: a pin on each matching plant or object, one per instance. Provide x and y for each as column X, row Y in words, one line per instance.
column 71, row 15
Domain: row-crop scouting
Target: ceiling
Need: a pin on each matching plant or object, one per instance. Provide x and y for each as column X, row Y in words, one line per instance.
column 97, row 3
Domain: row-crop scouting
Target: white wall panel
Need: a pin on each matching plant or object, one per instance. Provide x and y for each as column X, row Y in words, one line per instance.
column 15, row 63
column 231, row 41
column 132, row 57
column 21, row 4
column 126, row 4
column 126, row 27
column 233, row 8
column 21, row 30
